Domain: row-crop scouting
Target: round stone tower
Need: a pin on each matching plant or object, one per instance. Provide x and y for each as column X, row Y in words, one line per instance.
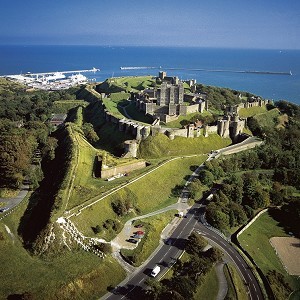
column 131, row 147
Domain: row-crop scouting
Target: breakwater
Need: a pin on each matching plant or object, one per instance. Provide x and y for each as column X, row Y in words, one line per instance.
column 211, row 70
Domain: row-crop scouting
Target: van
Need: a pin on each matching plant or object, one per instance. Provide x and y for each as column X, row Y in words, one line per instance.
column 155, row 271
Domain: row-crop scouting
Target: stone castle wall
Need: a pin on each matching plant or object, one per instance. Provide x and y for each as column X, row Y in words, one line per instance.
column 109, row 172
column 141, row 131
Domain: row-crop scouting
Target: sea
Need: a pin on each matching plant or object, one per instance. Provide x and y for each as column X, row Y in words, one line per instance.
column 210, row 66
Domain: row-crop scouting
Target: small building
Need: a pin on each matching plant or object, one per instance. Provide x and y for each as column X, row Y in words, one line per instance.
column 58, row 119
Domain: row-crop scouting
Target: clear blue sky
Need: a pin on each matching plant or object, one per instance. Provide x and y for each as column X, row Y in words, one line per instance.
column 210, row 23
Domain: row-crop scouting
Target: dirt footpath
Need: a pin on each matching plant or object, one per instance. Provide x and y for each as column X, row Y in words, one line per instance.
column 288, row 250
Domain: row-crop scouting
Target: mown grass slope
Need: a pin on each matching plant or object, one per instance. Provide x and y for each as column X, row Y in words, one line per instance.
column 125, row 84
column 151, row 193
column 252, row 111
column 70, row 275
column 256, row 240
column 161, row 146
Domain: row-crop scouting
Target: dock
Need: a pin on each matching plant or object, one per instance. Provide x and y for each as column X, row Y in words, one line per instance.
column 57, row 80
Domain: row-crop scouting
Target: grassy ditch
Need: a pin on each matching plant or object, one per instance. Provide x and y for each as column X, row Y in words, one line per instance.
column 152, row 226
column 236, row 287
column 71, row 275
column 146, row 198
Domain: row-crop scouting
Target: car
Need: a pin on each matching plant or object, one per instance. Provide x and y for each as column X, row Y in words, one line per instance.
column 138, row 225
column 4, row 209
column 138, row 236
column 140, row 232
column 169, row 241
column 133, row 241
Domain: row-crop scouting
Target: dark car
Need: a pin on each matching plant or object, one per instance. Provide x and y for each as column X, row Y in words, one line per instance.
column 133, row 241
column 138, row 225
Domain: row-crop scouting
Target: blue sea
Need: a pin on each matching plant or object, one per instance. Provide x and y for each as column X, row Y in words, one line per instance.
column 23, row 59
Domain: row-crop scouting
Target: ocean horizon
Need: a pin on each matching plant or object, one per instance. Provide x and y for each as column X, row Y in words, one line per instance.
column 224, row 67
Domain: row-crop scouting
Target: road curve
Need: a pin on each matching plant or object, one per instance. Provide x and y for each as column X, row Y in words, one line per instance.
column 173, row 247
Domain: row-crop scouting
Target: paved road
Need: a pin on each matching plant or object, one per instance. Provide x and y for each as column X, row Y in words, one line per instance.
column 249, row 279
column 169, row 252
column 174, row 245
column 12, row 202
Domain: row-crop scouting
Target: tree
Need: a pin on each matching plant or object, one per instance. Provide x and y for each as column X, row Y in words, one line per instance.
column 206, row 177
column 49, row 148
column 90, row 133
column 195, row 243
column 15, row 155
column 216, row 217
column 195, row 187
column 184, row 285
column 155, row 288
column 280, row 287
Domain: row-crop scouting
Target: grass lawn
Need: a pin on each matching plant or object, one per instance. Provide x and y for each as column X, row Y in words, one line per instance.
column 137, row 115
column 176, row 123
column 251, row 111
column 148, row 199
column 161, row 146
column 153, row 227
column 209, row 288
column 72, row 275
column 136, row 82
column 63, row 106
column 255, row 240
column 268, row 118
column 112, row 107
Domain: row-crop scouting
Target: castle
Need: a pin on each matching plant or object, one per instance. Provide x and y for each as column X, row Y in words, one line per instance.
column 169, row 100
column 166, row 103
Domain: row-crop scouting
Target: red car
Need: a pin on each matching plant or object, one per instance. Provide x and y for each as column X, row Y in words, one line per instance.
column 139, row 232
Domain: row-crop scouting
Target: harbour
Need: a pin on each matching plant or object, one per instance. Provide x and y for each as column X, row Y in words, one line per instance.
column 52, row 80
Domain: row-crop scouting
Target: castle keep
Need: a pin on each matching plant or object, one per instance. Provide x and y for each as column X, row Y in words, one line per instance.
column 168, row 101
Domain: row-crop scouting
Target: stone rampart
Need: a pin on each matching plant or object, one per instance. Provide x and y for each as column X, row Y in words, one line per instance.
column 122, row 169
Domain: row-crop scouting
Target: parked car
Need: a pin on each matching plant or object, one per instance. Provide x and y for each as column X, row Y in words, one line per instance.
column 140, row 232
column 133, row 241
column 138, row 236
column 138, row 225
column 4, row 209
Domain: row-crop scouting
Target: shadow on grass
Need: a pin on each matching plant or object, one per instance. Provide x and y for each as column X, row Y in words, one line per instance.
column 282, row 218
column 130, row 291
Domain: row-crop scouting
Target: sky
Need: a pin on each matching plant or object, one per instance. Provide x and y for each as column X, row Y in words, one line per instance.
column 264, row 24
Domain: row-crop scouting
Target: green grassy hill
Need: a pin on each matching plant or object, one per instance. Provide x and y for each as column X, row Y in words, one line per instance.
column 125, row 84
column 161, row 146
